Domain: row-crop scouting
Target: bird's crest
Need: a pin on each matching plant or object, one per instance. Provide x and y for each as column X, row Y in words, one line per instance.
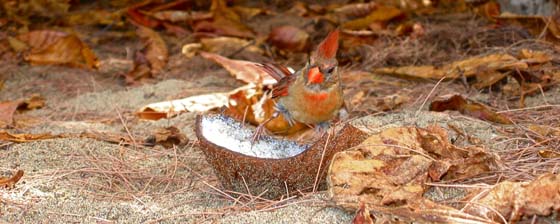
column 327, row 49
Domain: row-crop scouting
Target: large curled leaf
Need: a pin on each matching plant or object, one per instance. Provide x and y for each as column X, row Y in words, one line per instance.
column 53, row 47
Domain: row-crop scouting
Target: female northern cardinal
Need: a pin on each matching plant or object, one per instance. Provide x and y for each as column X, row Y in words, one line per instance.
column 311, row 96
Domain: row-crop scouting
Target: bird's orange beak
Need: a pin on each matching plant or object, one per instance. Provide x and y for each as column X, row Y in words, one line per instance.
column 315, row 76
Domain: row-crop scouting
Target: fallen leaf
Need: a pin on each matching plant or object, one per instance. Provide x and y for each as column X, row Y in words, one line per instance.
column 181, row 16
column 139, row 18
column 391, row 102
column 515, row 200
column 249, row 12
column 167, row 137
column 190, row 50
column 472, row 66
column 489, row 10
column 356, row 9
column 199, row 103
column 52, row 47
column 289, row 38
column 488, row 78
column 547, row 27
column 20, row 138
column 489, row 64
column 155, row 49
column 7, row 110
column 549, row 154
column 534, row 57
column 225, row 22
column 11, row 181
column 38, row 40
column 468, row 107
column 389, row 169
column 246, row 71
column 17, row 45
column 544, row 130
column 379, row 14
column 424, row 72
column 35, row 101
column 227, row 45
column 21, row 10
column 96, row 17
column 115, row 138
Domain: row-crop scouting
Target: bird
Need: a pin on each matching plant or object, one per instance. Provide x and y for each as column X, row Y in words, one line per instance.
column 310, row 97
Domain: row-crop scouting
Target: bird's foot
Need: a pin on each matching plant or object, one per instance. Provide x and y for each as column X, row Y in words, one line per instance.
column 322, row 128
column 262, row 128
column 280, row 109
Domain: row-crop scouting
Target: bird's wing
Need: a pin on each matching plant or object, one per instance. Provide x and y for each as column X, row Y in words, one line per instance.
column 282, row 75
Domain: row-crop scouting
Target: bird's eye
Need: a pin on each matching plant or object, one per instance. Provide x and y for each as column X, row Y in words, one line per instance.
column 330, row 70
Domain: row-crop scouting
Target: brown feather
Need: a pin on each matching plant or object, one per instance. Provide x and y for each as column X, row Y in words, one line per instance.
column 282, row 75
column 277, row 71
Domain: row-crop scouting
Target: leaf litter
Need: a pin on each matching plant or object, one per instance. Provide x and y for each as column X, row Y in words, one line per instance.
column 505, row 69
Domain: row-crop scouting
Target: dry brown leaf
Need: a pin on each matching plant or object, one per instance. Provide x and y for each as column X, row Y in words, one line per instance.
column 191, row 50
column 167, row 137
column 53, row 47
column 549, row 154
column 379, row 14
column 96, row 17
column 140, row 71
column 547, row 27
column 390, row 167
column 35, row 101
column 391, row 102
column 356, row 9
column 468, row 107
column 20, row 10
column 7, row 110
column 10, row 182
column 227, row 45
column 181, row 16
column 249, row 12
column 225, row 22
column 534, row 57
column 490, row 66
column 38, row 40
column 488, row 78
column 424, row 72
column 514, row 200
column 17, row 45
column 115, row 138
column 544, row 130
column 155, row 50
column 137, row 17
column 472, row 66
column 489, row 10
column 388, row 172
column 19, row 138
column 414, row 30
column 171, row 108
column 289, row 38
column 246, row 71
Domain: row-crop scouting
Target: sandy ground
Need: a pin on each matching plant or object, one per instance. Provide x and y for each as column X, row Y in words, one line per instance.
column 76, row 179
column 62, row 181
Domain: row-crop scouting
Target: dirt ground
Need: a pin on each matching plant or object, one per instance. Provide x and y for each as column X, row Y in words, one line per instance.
column 91, row 180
